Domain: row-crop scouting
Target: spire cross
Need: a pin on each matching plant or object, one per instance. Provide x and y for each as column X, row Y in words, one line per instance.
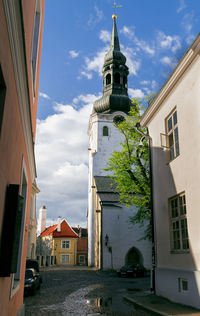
column 116, row 6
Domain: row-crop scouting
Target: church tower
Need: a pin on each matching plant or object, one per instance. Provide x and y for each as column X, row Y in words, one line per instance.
column 110, row 241
column 112, row 107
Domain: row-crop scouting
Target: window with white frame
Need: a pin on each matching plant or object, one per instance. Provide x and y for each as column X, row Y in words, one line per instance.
column 65, row 244
column 172, row 135
column 183, row 285
column 178, row 218
column 65, row 258
column 81, row 259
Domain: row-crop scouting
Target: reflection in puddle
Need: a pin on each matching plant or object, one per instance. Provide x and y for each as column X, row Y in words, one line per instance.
column 114, row 303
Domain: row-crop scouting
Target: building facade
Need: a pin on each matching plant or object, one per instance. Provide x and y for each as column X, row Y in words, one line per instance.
column 20, row 51
column 173, row 120
column 62, row 240
column 106, row 248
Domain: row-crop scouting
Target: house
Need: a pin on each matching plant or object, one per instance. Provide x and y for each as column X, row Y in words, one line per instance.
column 62, row 240
column 173, row 120
column 20, row 52
column 112, row 240
column 82, row 245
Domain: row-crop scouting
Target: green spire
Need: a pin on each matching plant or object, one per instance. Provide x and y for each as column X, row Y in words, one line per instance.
column 114, row 39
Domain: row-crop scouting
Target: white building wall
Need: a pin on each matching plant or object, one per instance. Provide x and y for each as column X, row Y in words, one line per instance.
column 123, row 236
column 114, row 218
column 171, row 178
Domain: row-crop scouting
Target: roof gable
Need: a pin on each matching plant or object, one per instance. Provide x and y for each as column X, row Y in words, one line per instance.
column 66, row 231
column 49, row 230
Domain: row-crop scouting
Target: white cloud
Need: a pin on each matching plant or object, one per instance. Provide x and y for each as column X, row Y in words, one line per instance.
column 168, row 61
column 85, row 74
column 187, row 24
column 132, row 63
column 62, row 160
column 105, row 36
column 145, row 82
column 129, row 32
column 172, row 43
column 73, row 54
column 136, row 93
column 95, row 18
column 44, row 95
column 96, row 63
column 182, row 6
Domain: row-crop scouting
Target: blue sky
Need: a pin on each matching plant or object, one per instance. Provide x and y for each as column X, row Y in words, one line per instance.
column 153, row 35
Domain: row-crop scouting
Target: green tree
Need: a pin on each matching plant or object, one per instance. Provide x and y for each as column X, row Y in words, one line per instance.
column 130, row 168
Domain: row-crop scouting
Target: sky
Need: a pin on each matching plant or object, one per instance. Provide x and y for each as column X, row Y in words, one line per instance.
column 153, row 35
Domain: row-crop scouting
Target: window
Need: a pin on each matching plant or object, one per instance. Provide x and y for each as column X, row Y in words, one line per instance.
column 118, row 119
column 35, row 41
column 108, row 79
column 183, row 285
column 65, row 244
column 105, row 131
column 2, row 97
column 179, row 232
column 65, row 258
column 172, row 135
column 81, row 259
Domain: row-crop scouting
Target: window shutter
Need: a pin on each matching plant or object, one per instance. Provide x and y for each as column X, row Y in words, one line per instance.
column 11, row 228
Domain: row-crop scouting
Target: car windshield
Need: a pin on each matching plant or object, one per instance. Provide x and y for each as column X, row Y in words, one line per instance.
column 28, row 274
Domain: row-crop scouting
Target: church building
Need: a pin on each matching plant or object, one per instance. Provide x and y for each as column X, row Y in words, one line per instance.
column 112, row 240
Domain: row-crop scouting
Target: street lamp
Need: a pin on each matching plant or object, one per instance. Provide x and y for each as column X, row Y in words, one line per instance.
column 144, row 136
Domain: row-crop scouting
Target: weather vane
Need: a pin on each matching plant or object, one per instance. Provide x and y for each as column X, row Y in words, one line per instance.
column 115, row 6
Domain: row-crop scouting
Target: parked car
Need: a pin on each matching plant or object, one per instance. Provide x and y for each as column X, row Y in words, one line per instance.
column 32, row 281
column 33, row 264
column 132, row 270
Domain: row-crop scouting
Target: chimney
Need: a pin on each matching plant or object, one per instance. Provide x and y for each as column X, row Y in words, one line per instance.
column 42, row 219
column 59, row 224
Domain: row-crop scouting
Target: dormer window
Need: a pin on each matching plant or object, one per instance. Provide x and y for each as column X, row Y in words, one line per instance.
column 105, row 131
column 108, row 79
column 117, row 77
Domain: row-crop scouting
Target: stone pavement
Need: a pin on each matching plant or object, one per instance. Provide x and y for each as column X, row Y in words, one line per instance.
column 160, row 305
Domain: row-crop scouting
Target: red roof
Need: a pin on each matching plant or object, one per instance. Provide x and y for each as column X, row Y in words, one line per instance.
column 48, row 230
column 66, row 231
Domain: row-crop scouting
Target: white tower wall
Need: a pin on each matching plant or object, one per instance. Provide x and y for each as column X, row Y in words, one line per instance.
column 42, row 219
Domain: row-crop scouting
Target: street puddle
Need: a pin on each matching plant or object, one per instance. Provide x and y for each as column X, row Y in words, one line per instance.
column 113, row 303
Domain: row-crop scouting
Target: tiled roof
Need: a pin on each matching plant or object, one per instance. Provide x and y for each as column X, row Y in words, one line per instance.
column 66, row 231
column 48, row 230
column 106, row 189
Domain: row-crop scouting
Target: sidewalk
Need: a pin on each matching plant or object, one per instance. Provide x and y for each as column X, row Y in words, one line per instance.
column 160, row 305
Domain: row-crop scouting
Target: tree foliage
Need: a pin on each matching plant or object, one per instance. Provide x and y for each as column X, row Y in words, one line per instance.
column 130, row 168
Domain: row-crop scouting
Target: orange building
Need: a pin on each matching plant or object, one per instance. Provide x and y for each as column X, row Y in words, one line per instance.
column 20, row 52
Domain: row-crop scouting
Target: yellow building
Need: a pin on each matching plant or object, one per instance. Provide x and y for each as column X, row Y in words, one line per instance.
column 63, row 242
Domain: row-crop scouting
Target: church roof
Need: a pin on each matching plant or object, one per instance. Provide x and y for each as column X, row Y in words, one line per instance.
column 106, row 189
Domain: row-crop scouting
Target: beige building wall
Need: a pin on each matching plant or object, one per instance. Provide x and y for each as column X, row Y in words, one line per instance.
column 58, row 251
column 172, row 177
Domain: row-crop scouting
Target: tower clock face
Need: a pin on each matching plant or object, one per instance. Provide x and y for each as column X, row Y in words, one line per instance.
column 118, row 119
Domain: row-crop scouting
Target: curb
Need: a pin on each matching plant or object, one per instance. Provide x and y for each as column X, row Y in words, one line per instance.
column 156, row 312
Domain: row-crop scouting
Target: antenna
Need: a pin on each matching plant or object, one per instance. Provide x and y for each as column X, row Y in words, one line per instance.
column 116, row 6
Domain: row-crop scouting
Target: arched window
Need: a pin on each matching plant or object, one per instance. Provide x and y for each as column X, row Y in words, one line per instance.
column 108, row 79
column 117, row 77
column 125, row 82
column 105, row 131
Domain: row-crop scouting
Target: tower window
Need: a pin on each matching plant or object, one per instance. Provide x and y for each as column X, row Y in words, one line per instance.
column 108, row 79
column 117, row 77
column 125, row 82
column 105, row 131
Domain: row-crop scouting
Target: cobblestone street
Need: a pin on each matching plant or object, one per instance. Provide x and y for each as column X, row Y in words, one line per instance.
column 83, row 291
